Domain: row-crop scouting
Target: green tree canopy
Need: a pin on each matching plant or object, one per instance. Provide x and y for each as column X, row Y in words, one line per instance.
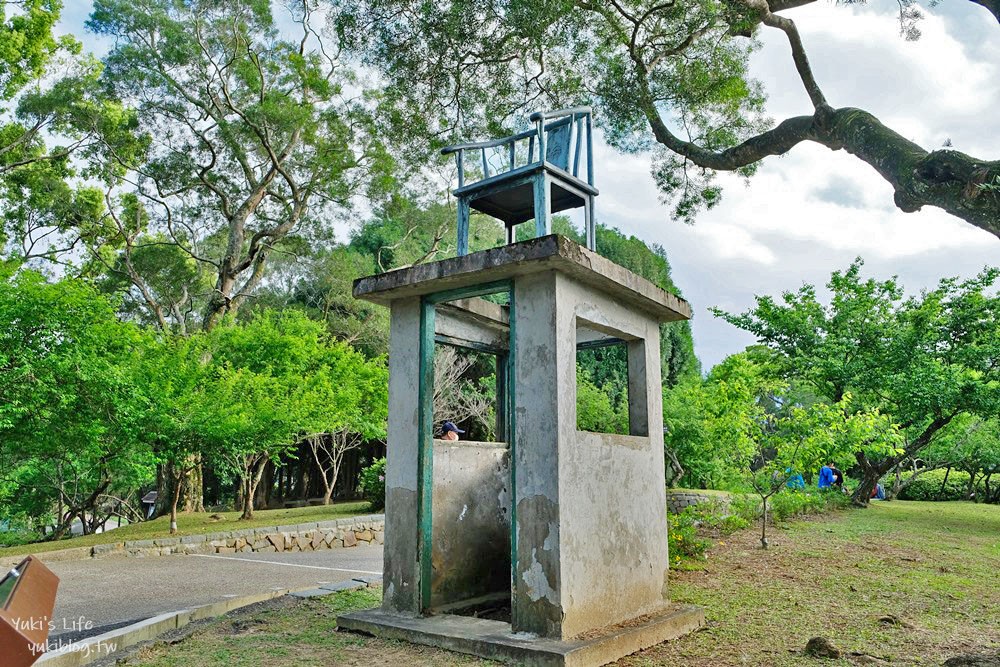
column 71, row 405
column 51, row 111
column 923, row 360
column 668, row 76
column 744, row 428
column 279, row 379
column 258, row 137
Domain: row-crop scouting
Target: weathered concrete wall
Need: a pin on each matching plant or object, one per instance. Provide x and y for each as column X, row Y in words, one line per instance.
column 589, row 535
column 471, row 520
column 591, row 520
column 613, row 547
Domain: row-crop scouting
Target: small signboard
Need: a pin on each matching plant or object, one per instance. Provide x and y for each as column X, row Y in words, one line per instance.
column 27, row 597
column 149, row 500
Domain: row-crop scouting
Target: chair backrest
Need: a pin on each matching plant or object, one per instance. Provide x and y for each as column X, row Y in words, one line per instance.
column 557, row 142
column 563, row 139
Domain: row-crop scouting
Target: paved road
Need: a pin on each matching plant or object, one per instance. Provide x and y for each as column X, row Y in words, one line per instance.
column 113, row 592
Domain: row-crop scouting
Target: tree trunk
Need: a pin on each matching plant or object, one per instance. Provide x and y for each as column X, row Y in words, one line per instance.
column 175, row 500
column 303, row 493
column 247, row 500
column 252, row 478
column 674, row 466
column 763, row 525
column 328, row 475
column 898, row 483
column 65, row 523
column 264, row 487
column 944, row 482
column 193, row 487
column 240, row 496
column 970, row 492
column 873, row 471
column 944, row 178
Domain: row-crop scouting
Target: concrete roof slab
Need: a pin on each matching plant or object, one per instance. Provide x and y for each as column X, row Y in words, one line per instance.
column 546, row 253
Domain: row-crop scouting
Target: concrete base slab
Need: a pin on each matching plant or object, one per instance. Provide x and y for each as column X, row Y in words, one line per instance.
column 494, row 640
column 351, row 585
column 311, row 593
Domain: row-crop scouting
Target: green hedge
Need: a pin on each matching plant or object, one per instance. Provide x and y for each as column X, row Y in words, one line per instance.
column 929, row 486
column 372, row 484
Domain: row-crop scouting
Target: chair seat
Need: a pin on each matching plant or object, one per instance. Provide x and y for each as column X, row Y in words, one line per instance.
column 510, row 196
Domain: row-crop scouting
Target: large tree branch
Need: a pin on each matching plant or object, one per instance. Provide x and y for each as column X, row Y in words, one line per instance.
column 955, row 182
column 992, row 6
column 802, row 65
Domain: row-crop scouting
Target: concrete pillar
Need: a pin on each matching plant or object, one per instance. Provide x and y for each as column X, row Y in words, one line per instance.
column 401, row 593
column 540, row 365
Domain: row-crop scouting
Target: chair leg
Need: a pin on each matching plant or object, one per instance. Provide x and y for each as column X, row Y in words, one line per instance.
column 463, row 226
column 543, row 219
column 588, row 223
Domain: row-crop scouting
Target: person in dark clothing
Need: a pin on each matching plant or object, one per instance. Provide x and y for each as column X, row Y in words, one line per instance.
column 838, row 479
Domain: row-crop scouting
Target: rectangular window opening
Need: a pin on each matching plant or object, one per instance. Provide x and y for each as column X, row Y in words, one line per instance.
column 610, row 382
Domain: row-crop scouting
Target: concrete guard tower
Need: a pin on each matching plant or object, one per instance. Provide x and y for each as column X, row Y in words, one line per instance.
column 548, row 547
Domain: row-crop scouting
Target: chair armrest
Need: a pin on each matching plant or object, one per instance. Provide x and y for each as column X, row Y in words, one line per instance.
column 493, row 143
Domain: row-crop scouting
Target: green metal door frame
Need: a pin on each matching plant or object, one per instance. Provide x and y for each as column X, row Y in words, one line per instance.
column 425, row 455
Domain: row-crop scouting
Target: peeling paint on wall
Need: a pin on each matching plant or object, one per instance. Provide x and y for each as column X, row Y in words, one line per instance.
column 538, row 583
column 550, row 540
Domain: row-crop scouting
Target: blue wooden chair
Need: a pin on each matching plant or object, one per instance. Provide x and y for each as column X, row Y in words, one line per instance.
column 529, row 185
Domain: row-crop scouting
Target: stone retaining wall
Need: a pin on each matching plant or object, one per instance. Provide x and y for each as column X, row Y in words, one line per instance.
column 678, row 500
column 335, row 534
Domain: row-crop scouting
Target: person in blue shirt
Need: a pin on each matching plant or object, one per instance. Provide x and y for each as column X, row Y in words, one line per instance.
column 826, row 476
column 795, row 480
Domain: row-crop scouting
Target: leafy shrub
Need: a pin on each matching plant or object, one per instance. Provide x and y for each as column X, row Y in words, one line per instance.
column 745, row 508
column 792, row 503
column 16, row 538
column 932, row 486
column 372, row 484
column 682, row 535
column 733, row 522
column 718, row 515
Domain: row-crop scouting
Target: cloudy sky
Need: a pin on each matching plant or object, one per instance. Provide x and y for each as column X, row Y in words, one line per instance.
column 813, row 211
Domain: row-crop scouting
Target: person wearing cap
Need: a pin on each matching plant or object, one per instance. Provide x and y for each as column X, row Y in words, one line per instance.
column 450, row 431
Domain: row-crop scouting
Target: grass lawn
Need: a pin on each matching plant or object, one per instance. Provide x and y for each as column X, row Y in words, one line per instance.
column 931, row 566
column 196, row 524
